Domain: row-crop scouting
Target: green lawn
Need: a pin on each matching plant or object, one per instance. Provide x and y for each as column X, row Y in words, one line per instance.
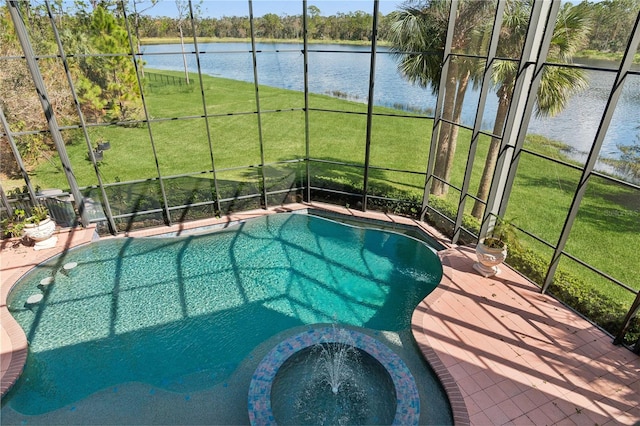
column 608, row 224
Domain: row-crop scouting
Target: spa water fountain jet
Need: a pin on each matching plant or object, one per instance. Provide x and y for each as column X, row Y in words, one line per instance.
column 331, row 375
column 333, row 363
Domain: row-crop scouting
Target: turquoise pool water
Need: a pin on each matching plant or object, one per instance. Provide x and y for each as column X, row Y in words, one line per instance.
column 155, row 320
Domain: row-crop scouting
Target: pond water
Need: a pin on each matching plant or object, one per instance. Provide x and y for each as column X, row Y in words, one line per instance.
column 343, row 70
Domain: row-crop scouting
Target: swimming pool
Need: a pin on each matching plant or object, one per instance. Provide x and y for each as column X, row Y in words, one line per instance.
column 169, row 330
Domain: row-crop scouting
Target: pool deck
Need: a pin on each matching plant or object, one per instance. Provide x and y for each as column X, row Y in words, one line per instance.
column 506, row 354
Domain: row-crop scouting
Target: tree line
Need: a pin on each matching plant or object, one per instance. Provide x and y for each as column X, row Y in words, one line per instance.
column 611, row 21
column 351, row 26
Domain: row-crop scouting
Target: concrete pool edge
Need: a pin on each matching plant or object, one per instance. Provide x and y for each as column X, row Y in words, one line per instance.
column 459, row 409
column 15, row 263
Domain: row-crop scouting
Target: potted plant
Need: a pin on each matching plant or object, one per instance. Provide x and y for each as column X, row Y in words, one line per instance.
column 492, row 250
column 39, row 226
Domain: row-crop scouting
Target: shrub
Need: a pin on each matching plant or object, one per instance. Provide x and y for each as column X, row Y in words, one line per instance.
column 13, row 226
column 38, row 214
column 571, row 290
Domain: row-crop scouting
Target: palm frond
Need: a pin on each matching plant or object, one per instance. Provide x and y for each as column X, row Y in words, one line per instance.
column 557, row 85
column 417, row 40
column 571, row 32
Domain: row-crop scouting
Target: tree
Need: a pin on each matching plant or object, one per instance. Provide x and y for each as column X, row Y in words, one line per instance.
column 136, row 16
column 612, row 21
column 292, row 26
column 417, row 35
column 271, row 26
column 19, row 101
column 557, row 83
column 109, row 82
column 312, row 24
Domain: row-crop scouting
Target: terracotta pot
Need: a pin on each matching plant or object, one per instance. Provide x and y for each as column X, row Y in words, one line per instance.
column 40, row 232
column 488, row 259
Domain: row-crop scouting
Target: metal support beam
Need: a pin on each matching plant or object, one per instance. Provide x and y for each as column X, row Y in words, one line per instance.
column 372, row 79
column 5, row 200
column 305, row 56
column 147, row 117
column 619, row 339
column 477, row 125
column 522, row 133
column 204, row 107
column 54, row 129
column 534, row 53
column 446, row 60
column 257, row 88
column 614, row 96
column 105, row 200
column 18, row 157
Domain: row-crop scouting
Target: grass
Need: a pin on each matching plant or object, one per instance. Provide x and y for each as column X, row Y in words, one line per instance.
column 607, row 226
column 606, row 56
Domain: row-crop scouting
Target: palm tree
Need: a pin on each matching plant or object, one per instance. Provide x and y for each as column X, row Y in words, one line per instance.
column 557, row 84
column 417, row 35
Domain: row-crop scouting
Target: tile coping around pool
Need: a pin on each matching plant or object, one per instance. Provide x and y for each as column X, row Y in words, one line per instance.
column 475, row 332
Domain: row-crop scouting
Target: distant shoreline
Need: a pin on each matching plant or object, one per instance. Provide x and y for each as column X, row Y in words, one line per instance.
column 176, row 40
column 583, row 54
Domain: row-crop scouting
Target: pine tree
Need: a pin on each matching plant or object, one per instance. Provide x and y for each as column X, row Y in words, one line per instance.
column 117, row 93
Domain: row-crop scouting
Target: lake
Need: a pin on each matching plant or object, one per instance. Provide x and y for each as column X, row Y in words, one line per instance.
column 343, row 70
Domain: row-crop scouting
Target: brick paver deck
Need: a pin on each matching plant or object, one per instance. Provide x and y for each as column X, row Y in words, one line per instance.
column 519, row 357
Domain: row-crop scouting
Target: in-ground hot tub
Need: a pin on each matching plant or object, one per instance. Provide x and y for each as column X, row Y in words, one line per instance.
column 332, row 375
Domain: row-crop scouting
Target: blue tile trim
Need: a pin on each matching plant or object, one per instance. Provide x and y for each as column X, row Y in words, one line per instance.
column 408, row 399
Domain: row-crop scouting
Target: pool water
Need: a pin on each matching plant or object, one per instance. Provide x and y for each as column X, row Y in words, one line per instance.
column 184, row 317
